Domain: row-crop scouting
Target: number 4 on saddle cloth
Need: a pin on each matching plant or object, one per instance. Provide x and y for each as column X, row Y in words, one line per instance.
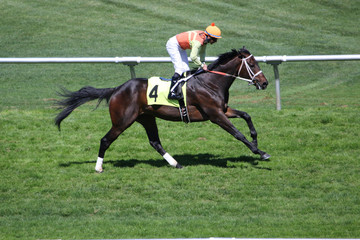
column 158, row 91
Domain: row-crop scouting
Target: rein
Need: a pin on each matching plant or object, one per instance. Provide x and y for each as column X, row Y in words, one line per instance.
column 230, row 75
column 250, row 72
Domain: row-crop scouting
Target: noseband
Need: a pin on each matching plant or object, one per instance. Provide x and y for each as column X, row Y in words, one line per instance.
column 252, row 75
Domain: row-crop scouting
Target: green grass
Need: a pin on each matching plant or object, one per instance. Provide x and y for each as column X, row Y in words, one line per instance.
column 309, row 188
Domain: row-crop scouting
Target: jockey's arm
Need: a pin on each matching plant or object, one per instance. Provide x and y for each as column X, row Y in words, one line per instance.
column 197, row 50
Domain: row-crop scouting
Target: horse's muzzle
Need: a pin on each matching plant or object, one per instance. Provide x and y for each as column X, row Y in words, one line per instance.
column 264, row 85
column 260, row 85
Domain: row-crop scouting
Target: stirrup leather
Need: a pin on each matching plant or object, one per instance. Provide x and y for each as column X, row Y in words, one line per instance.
column 183, row 111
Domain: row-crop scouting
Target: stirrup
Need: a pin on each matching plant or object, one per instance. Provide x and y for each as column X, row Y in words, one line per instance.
column 175, row 92
column 174, row 96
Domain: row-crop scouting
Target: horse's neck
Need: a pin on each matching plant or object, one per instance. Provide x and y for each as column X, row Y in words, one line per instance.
column 224, row 82
column 216, row 82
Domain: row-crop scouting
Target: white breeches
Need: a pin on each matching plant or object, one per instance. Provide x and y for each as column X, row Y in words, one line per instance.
column 178, row 56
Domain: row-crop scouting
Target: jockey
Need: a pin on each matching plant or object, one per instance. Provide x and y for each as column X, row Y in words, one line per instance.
column 196, row 41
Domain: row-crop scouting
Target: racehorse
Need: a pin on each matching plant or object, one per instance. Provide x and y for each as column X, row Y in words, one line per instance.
column 207, row 99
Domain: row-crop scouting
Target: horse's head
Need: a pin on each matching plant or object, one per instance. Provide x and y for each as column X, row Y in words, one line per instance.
column 240, row 64
column 249, row 68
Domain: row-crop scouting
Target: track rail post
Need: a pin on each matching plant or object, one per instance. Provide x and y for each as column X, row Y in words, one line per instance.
column 132, row 69
column 277, row 84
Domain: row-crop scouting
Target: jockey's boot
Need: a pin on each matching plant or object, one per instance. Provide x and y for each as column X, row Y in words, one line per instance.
column 176, row 92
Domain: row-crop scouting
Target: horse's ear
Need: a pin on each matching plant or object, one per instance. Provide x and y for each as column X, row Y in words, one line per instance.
column 241, row 53
column 241, row 50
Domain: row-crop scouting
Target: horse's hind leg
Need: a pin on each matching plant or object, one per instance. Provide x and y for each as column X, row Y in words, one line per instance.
column 120, row 124
column 105, row 143
column 149, row 123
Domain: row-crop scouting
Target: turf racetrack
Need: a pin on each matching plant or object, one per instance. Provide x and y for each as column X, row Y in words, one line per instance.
column 308, row 189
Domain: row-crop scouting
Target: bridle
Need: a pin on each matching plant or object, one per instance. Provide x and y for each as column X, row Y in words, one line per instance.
column 252, row 75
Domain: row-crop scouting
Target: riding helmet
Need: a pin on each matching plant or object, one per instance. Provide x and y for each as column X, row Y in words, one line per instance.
column 213, row 31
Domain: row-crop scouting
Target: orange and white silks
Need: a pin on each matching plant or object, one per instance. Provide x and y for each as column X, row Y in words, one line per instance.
column 186, row 39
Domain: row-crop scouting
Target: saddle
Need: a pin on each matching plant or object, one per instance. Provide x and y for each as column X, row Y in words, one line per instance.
column 158, row 91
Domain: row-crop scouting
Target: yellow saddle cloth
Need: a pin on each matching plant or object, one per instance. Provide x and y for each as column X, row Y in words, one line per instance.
column 158, row 91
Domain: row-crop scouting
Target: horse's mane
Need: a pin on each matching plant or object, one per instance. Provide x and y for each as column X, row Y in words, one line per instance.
column 225, row 57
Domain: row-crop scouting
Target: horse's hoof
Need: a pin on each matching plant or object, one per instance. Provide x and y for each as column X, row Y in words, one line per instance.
column 179, row 166
column 265, row 156
column 99, row 170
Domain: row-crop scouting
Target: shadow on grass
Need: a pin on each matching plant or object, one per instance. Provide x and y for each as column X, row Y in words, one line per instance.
column 184, row 160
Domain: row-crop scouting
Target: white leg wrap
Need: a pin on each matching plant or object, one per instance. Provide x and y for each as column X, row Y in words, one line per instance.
column 170, row 159
column 99, row 164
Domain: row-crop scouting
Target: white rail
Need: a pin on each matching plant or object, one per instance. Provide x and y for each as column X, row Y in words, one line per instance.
column 124, row 60
column 284, row 58
column 137, row 60
column 132, row 61
column 276, row 60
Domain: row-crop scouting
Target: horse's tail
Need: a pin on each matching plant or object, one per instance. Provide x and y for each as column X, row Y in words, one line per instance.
column 75, row 99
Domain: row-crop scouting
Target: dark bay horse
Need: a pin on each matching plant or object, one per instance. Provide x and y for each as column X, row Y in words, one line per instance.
column 207, row 99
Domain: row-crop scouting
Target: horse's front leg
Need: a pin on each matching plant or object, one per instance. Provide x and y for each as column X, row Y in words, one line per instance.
column 233, row 113
column 222, row 120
